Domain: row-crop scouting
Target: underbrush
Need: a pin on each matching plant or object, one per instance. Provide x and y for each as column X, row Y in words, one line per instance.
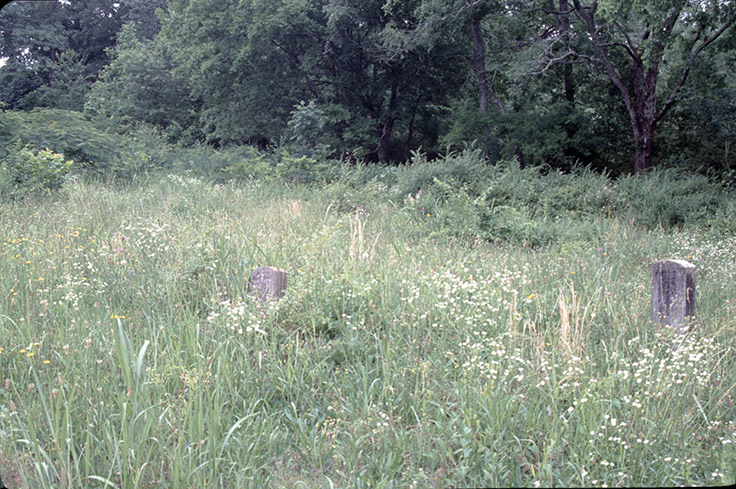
column 446, row 323
column 459, row 194
column 402, row 355
column 463, row 195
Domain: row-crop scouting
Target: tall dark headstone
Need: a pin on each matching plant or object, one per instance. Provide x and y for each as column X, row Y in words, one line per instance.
column 268, row 282
column 673, row 293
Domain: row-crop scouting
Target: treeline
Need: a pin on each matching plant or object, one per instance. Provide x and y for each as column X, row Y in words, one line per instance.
column 619, row 85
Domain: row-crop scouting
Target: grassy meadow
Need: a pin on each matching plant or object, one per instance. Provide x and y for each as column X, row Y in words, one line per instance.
column 406, row 353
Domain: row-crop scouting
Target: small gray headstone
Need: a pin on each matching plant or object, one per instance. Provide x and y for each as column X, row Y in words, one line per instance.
column 673, row 293
column 268, row 282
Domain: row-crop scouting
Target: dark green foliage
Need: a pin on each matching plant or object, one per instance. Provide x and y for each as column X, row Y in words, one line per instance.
column 55, row 50
column 544, row 131
column 95, row 150
column 272, row 66
column 25, row 172
column 235, row 57
column 142, row 14
column 378, row 80
column 17, row 82
column 670, row 197
column 66, row 132
column 141, row 85
column 8, row 128
column 701, row 130
column 312, row 129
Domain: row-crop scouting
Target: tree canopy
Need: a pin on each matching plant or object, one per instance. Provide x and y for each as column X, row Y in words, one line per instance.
column 617, row 84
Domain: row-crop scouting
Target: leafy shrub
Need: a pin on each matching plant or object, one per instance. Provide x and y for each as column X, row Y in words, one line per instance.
column 282, row 165
column 69, row 133
column 444, row 208
column 462, row 194
column 251, row 164
column 25, row 171
column 580, row 192
column 307, row 130
column 548, row 193
column 468, row 167
column 506, row 223
column 669, row 197
column 326, row 131
column 8, row 124
column 97, row 149
column 724, row 221
column 303, row 169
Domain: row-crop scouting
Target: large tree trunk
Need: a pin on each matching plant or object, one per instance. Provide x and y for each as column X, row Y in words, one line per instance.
column 383, row 148
column 567, row 75
column 641, row 107
column 643, row 113
column 643, row 155
column 479, row 65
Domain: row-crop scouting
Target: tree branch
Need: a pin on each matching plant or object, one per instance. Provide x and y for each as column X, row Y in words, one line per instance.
column 668, row 23
column 630, row 47
column 414, row 34
column 298, row 63
column 553, row 60
column 586, row 14
column 690, row 58
column 549, row 10
column 628, row 50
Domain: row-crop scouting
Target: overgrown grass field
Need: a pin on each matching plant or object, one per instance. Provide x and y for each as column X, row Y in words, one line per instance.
column 406, row 352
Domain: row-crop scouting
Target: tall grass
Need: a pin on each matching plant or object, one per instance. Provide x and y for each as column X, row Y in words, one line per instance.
column 404, row 354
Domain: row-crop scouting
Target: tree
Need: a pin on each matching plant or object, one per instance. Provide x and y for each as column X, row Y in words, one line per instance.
column 243, row 60
column 454, row 35
column 386, row 83
column 659, row 39
column 31, row 40
column 253, row 62
column 141, row 84
column 55, row 50
column 700, row 130
column 8, row 128
column 17, row 82
column 142, row 13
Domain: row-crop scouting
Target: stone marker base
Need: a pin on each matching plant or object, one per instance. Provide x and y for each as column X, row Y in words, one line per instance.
column 673, row 293
column 268, row 282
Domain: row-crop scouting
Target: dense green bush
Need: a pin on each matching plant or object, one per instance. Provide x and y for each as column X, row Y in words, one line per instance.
column 724, row 221
column 468, row 167
column 506, row 223
column 460, row 194
column 25, row 171
column 67, row 132
column 97, row 150
column 250, row 163
column 538, row 205
column 669, row 197
column 464, row 194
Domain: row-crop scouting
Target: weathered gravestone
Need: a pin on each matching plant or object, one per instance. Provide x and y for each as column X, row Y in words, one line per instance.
column 673, row 293
column 268, row 282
